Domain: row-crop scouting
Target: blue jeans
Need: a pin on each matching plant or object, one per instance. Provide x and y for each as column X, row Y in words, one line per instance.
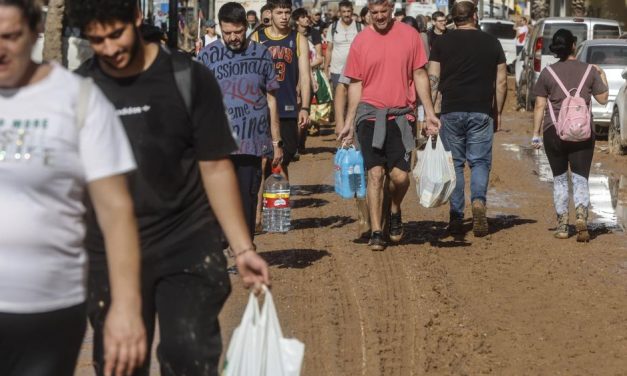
column 468, row 135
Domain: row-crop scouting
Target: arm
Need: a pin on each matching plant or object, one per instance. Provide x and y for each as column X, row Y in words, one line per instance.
column 304, row 80
column 538, row 117
column 427, row 84
column 501, row 91
column 124, row 333
column 339, row 104
column 603, row 97
column 327, row 59
column 354, row 96
column 275, row 129
column 220, row 184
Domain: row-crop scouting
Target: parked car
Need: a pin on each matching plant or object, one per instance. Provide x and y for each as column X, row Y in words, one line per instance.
column 505, row 33
column 536, row 55
column 617, row 133
column 611, row 56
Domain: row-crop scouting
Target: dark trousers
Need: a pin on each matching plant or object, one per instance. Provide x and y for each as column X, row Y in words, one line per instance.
column 564, row 154
column 41, row 344
column 248, row 171
column 186, row 290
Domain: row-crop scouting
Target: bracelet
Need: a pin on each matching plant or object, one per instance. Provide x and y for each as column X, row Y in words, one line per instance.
column 305, row 109
column 252, row 248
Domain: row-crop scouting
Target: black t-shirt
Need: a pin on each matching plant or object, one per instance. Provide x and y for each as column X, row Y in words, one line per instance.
column 171, row 206
column 314, row 36
column 467, row 75
column 432, row 36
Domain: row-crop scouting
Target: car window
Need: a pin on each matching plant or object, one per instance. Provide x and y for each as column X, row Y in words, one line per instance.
column 605, row 31
column 499, row 30
column 579, row 30
column 607, row 55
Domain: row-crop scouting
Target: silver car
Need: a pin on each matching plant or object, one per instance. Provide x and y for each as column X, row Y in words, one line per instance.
column 611, row 56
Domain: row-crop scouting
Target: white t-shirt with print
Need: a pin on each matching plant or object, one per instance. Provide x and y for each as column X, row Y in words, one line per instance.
column 342, row 41
column 45, row 163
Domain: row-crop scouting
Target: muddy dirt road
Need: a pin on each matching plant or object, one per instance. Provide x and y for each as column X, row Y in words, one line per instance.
column 516, row 302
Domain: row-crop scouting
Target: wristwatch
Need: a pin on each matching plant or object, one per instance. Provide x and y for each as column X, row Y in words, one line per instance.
column 277, row 143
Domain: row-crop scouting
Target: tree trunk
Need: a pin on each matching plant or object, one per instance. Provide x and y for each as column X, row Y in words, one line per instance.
column 539, row 9
column 53, row 40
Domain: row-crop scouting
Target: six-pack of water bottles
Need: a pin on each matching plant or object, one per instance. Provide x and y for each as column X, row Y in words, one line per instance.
column 350, row 179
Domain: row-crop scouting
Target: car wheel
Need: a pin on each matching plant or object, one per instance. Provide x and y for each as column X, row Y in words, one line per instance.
column 613, row 137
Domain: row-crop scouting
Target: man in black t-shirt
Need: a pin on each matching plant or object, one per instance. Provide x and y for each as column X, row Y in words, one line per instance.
column 467, row 78
column 183, row 177
column 438, row 29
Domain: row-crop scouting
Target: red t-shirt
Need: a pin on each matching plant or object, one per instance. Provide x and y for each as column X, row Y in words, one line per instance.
column 385, row 65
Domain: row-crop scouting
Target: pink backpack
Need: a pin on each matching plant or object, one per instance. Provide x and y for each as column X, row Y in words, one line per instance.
column 573, row 121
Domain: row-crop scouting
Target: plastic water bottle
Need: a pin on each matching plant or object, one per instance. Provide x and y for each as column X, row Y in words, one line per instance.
column 276, row 203
column 337, row 169
column 346, row 175
column 359, row 176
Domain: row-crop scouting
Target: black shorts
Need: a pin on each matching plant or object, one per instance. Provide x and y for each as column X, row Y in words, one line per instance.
column 393, row 153
column 289, row 135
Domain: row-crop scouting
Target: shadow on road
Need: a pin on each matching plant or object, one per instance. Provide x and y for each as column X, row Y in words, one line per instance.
column 308, row 203
column 504, row 222
column 320, row 150
column 335, row 221
column 294, row 258
column 308, row 190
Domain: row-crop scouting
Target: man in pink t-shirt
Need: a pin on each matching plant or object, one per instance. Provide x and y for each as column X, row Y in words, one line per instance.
column 386, row 67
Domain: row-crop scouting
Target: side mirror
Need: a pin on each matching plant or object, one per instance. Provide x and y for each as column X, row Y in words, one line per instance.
column 624, row 73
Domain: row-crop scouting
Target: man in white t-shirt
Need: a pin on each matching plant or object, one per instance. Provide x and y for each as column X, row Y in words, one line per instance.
column 210, row 32
column 61, row 139
column 340, row 36
column 521, row 34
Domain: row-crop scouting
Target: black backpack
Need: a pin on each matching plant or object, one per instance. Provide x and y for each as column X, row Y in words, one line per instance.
column 334, row 29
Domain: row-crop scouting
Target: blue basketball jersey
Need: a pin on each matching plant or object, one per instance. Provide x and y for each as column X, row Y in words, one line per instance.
column 285, row 54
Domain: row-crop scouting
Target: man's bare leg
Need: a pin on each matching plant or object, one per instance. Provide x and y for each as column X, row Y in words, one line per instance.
column 376, row 177
column 399, row 184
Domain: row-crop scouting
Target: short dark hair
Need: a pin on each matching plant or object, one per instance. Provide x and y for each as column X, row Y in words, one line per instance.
column 298, row 13
column 463, row 12
column 562, row 43
column 399, row 12
column 264, row 8
column 232, row 13
column 31, row 11
column 251, row 13
column 83, row 12
column 437, row 14
column 275, row 4
column 345, row 4
column 363, row 12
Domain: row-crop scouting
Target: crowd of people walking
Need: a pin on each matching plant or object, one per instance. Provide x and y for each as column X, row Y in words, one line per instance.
column 123, row 183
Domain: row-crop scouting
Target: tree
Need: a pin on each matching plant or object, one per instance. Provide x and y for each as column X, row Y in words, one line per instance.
column 539, row 9
column 53, row 32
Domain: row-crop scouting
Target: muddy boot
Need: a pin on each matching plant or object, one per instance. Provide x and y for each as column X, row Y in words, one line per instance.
column 561, row 232
column 363, row 218
column 582, row 224
column 396, row 227
column 479, row 219
column 377, row 243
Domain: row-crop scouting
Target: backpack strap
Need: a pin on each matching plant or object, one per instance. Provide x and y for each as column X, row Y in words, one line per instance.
column 182, row 66
column 358, row 26
column 559, row 82
column 333, row 30
column 583, row 80
column 82, row 104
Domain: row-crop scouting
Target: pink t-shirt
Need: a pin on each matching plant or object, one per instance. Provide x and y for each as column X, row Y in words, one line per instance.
column 385, row 65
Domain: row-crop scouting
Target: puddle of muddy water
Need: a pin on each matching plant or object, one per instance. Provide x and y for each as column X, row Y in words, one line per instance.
column 608, row 191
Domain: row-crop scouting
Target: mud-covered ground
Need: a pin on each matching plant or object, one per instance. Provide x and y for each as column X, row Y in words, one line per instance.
column 516, row 302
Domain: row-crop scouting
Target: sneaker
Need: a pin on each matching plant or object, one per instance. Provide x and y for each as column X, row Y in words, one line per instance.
column 396, row 227
column 583, row 236
column 479, row 219
column 296, row 157
column 376, row 241
column 561, row 232
column 456, row 226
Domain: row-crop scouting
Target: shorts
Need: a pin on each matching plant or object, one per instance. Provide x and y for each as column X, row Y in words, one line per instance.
column 289, row 135
column 393, row 153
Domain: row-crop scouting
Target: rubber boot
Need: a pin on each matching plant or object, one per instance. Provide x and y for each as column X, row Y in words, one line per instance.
column 561, row 232
column 583, row 235
column 363, row 218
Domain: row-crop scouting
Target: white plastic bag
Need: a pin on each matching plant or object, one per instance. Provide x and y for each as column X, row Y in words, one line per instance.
column 258, row 348
column 435, row 174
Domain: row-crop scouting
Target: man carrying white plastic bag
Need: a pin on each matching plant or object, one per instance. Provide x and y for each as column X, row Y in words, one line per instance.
column 258, row 348
column 435, row 174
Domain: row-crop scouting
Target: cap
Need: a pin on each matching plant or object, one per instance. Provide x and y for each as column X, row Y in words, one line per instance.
column 210, row 23
column 276, row 169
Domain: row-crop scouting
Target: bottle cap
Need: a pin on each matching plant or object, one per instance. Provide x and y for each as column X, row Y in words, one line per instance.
column 276, row 170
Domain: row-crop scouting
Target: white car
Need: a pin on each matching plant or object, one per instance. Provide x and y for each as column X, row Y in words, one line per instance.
column 617, row 133
column 505, row 33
